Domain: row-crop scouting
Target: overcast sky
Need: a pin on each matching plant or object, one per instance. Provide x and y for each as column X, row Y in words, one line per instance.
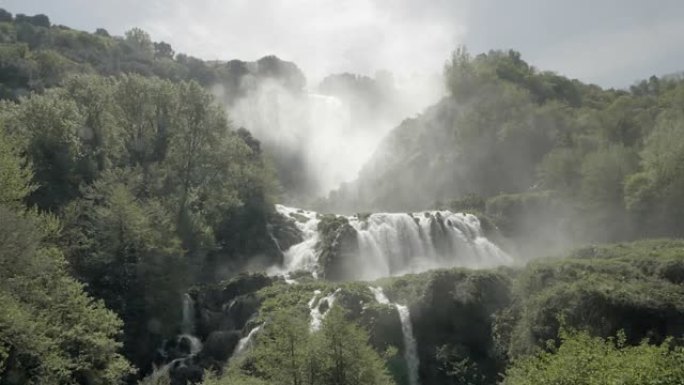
column 608, row 42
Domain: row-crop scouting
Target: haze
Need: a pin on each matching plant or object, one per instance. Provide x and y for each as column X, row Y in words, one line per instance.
column 612, row 43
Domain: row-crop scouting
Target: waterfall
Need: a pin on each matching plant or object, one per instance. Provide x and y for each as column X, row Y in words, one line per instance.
column 187, row 336
column 245, row 342
column 391, row 244
column 379, row 295
column 317, row 131
column 315, row 308
column 188, row 321
column 410, row 348
column 302, row 256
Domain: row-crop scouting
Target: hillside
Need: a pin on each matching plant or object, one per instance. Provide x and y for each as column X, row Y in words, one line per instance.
column 523, row 230
column 533, row 150
column 469, row 326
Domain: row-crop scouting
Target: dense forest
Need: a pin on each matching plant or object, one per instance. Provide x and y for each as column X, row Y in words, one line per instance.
column 140, row 240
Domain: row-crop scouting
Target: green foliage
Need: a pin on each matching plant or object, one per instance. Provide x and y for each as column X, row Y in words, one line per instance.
column 634, row 287
column 146, row 175
column 610, row 158
column 582, row 359
column 50, row 330
column 14, row 173
column 336, row 247
column 287, row 353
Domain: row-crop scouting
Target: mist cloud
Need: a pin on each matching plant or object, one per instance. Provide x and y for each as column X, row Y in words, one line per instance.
column 405, row 36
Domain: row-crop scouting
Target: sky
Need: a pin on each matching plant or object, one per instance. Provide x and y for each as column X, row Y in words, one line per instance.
column 613, row 43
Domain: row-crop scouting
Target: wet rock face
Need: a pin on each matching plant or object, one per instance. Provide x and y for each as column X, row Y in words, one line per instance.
column 184, row 372
column 284, row 231
column 338, row 248
column 228, row 305
column 384, row 326
column 220, row 345
column 222, row 313
column 456, row 315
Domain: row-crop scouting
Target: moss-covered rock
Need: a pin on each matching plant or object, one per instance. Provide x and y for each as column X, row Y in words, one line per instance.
column 285, row 231
column 337, row 247
column 633, row 287
column 219, row 345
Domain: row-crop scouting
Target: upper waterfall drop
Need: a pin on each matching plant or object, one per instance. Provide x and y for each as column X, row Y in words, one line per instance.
column 316, row 140
column 188, row 312
column 390, row 244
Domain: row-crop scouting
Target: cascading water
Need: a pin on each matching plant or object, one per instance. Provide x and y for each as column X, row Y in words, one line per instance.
column 392, row 244
column 245, row 342
column 410, row 347
column 181, row 351
column 188, row 326
column 302, row 256
column 188, row 320
column 317, row 315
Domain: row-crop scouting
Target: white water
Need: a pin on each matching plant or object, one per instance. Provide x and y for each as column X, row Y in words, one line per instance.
column 314, row 308
column 187, row 330
column 245, row 342
column 188, row 321
column 302, row 256
column 319, row 129
column 410, row 347
column 195, row 343
column 393, row 244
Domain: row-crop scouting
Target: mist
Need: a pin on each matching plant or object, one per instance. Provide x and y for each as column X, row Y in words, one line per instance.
column 318, row 136
column 341, row 193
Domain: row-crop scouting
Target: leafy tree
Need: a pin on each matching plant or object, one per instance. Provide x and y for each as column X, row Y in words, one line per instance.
column 140, row 42
column 287, row 353
column 14, row 172
column 50, row 330
column 283, row 352
column 582, row 359
column 125, row 248
column 5, row 16
column 163, row 50
column 347, row 357
column 50, row 126
column 656, row 193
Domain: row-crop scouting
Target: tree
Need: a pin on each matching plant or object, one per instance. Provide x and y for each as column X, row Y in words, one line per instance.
column 286, row 352
column 140, row 42
column 50, row 330
column 126, row 249
column 102, row 32
column 163, row 50
column 283, row 352
column 656, row 192
column 49, row 125
column 14, row 172
column 347, row 356
column 582, row 359
column 5, row 16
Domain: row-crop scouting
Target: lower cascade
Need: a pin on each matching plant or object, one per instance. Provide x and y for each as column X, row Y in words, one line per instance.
column 319, row 308
column 410, row 348
column 245, row 342
column 368, row 247
column 180, row 353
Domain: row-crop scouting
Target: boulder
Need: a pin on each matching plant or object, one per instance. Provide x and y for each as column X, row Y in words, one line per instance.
column 220, row 345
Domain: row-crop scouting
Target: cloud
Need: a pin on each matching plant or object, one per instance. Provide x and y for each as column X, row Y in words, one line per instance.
column 618, row 57
column 321, row 36
column 586, row 39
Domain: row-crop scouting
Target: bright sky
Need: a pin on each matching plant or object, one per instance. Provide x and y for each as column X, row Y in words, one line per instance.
column 608, row 42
